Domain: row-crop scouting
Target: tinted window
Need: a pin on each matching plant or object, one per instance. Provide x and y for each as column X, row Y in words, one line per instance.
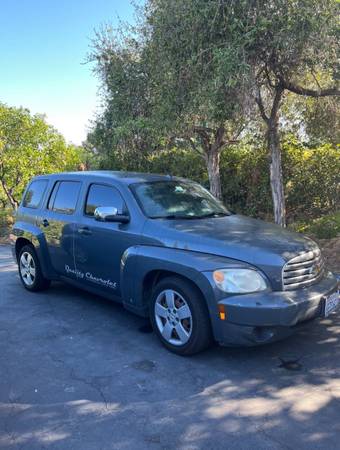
column 35, row 193
column 100, row 195
column 64, row 197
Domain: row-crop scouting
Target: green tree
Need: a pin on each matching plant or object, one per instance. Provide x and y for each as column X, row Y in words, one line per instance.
column 123, row 130
column 194, row 69
column 197, row 77
column 28, row 147
column 163, row 86
column 315, row 120
column 293, row 47
column 217, row 51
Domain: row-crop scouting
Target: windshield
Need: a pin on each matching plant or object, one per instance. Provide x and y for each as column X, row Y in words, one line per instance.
column 177, row 200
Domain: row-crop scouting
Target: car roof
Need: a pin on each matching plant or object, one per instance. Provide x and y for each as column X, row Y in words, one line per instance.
column 120, row 176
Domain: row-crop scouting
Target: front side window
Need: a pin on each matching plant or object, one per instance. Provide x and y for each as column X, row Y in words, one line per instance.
column 101, row 195
column 34, row 194
column 64, row 197
column 177, row 200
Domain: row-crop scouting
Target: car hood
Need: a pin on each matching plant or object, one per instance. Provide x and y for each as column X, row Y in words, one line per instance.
column 238, row 237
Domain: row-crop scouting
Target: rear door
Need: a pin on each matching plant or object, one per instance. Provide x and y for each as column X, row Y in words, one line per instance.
column 58, row 223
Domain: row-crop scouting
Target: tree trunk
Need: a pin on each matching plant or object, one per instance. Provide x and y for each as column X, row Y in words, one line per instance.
column 213, row 167
column 274, row 149
column 276, row 178
column 212, row 142
column 9, row 195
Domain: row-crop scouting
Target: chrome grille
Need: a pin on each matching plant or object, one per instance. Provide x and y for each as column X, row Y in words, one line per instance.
column 303, row 270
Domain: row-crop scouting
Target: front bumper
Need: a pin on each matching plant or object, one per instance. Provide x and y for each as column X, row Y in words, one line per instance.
column 253, row 319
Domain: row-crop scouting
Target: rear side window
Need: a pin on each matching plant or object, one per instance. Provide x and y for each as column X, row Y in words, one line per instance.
column 64, row 197
column 34, row 194
column 101, row 195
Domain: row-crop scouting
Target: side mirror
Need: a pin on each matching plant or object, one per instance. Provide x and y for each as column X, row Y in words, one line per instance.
column 110, row 214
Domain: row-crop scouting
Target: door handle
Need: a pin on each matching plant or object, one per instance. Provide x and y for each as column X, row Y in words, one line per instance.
column 85, row 231
column 45, row 223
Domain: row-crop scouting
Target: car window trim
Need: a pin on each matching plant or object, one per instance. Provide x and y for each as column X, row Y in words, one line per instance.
column 54, row 193
column 42, row 197
column 89, row 216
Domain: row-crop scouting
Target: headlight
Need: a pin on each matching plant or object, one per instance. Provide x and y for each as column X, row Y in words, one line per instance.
column 239, row 281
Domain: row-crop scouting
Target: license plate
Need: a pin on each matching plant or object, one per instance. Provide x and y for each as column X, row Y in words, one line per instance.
column 331, row 303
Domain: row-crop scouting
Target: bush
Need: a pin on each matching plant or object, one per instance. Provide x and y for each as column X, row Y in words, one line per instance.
column 179, row 162
column 6, row 220
column 326, row 227
column 312, row 180
column 245, row 181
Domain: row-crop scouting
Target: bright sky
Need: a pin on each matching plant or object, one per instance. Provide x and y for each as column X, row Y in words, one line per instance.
column 43, row 45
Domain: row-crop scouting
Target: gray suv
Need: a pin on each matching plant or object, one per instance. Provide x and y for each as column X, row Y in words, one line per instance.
column 165, row 248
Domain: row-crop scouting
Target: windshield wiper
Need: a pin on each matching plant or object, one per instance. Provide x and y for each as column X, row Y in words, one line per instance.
column 174, row 216
column 213, row 214
column 181, row 216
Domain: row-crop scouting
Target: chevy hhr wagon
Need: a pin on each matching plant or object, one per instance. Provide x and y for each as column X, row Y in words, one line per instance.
column 167, row 249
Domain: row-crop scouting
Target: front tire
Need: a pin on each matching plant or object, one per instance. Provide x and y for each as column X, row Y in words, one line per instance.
column 30, row 271
column 179, row 316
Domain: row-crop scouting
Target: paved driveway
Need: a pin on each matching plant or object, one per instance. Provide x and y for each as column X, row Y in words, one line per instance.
column 79, row 372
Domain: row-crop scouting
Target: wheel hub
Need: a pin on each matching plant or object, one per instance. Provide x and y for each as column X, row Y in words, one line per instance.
column 172, row 317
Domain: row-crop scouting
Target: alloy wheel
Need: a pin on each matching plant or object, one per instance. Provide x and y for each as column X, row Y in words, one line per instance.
column 27, row 268
column 173, row 317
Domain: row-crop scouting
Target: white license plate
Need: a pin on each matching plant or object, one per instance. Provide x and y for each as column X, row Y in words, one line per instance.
column 331, row 303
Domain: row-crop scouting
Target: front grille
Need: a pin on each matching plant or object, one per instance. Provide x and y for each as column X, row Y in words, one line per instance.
column 303, row 270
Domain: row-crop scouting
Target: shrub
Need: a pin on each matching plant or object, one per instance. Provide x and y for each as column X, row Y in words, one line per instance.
column 311, row 177
column 326, row 227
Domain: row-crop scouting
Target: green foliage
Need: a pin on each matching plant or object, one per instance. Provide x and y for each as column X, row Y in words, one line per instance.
column 192, row 70
column 245, row 180
column 6, row 221
column 179, row 162
column 315, row 120
column 311, row 179
column 125, row 124
column 6, row 218
column 311, row 176
column 28, row 147
column 196, row 50
column 325, row 227
column 292, row 39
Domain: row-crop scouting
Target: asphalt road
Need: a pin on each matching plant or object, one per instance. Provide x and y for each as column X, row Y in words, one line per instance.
column 79, row 372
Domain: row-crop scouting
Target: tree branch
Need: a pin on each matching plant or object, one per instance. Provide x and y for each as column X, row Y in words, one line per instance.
column 299, row 90
column 219, row 134
column 258, row 99
column 194, row 147
column 203, row 133
column 9, row 195
column 276, row 102
column 199, row 129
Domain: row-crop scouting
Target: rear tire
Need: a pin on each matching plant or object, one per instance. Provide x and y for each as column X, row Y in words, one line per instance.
column 30, row 272
column 180, row 317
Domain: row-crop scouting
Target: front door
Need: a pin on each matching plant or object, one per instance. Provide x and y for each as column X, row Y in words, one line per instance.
column 99, row 246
